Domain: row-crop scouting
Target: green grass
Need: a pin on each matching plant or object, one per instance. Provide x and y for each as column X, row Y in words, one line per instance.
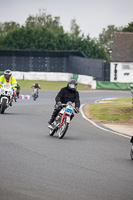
column 47, row 85
column 120, row 110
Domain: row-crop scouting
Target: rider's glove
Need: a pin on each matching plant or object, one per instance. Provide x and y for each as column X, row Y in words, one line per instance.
column 77, row 110
column 59, row 103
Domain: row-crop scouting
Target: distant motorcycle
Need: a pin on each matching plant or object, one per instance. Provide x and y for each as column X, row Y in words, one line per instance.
column 17, row 92
column 62, row 120
column 131, row 151
column 6, row 93
column 35, row 94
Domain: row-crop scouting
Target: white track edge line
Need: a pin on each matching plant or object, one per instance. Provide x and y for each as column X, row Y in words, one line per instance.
column 104, row 129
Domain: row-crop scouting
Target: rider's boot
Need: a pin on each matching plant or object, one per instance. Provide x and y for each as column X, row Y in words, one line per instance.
column 51, row 120
column 53, row 116
column 51, row 126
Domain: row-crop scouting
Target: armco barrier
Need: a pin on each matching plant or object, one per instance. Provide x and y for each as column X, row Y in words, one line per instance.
column 46, row 76
column 112, row 85
column 52, row 76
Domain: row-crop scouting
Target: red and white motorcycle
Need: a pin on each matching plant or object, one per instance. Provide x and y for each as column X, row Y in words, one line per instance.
column 62, row 120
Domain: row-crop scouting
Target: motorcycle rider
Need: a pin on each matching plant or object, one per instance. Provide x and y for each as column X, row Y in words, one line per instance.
column 18, row 90
column 68, row 93
column 8, row 78
column 37, row 86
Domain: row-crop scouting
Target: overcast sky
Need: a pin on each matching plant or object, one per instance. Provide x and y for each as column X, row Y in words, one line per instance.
column 91, row 15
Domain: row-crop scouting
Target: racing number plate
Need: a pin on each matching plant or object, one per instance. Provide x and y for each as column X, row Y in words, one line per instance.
column 68, row 110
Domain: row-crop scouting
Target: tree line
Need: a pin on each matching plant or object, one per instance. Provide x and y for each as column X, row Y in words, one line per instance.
column 44, row 32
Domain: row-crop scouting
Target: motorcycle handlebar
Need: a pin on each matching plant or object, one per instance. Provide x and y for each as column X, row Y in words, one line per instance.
column 63, row 105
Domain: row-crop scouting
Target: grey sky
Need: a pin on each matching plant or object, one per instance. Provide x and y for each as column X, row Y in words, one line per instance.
column 91, row 15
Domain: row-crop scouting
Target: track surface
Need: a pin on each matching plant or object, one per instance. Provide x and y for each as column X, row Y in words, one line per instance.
column 87, row 164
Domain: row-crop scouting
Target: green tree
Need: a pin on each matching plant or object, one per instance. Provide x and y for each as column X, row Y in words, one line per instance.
column 93, row 49
column 74, row 29
column 43, row 20
column 128, row 28
column 44, row 32
column 105, row 38
column 8, row 26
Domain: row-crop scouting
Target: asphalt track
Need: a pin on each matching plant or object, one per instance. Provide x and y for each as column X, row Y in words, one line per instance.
column 87, row 164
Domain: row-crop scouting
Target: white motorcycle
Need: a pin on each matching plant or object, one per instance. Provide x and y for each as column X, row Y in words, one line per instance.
column 62, row 120
column 35, row 94
column 6, row 93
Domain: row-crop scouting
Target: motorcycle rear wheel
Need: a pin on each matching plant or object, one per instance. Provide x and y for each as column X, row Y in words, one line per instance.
column 3, row 106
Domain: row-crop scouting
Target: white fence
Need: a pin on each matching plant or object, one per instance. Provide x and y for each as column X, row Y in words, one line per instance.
column 51, row 76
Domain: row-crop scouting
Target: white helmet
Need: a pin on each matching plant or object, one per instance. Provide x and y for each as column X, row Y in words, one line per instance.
column 7, row 73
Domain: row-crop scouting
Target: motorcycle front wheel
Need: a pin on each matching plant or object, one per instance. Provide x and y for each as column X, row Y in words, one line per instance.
column 63, row 129
column 34, row 97
column 3, row 106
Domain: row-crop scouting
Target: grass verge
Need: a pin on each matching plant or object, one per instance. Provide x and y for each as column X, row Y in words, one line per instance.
column 47, row 85
column 118, row 111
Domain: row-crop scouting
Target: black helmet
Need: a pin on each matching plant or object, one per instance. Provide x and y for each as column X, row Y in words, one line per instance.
column 7, row 73
column 36, row 84
column 72, row 85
